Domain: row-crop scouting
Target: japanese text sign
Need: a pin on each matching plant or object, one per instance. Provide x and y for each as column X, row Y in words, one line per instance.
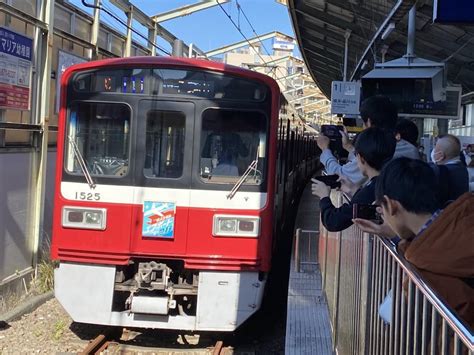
column 16, row 52
column 345, row 98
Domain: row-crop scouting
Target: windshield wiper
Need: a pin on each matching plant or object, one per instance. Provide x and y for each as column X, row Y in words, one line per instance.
column 250, row 168
column 82, row 163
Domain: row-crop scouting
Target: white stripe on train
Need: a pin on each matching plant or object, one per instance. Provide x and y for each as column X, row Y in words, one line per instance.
column 182, row 197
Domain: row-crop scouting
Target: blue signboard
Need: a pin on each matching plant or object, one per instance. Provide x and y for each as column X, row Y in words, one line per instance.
column 453, row 11
column 16, row 53
column 158, row 219
column 15, row 44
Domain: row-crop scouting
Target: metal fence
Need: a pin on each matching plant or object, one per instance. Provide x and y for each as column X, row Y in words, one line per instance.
column 359, row 271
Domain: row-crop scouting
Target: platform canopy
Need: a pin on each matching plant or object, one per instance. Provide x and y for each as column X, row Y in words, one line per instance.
column 321, row 27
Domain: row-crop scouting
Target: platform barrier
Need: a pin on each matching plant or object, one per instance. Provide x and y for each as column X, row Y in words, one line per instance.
column 359, row 271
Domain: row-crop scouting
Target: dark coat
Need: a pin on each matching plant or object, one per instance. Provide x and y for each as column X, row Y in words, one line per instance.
column 453, row 181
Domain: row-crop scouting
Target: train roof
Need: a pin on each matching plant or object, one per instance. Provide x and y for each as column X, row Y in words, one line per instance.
column 174, row 62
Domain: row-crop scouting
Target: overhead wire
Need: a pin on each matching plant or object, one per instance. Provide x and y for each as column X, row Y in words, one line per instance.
column 245, row 37
column 240, row 31
column 239, row 7
column 248, row 41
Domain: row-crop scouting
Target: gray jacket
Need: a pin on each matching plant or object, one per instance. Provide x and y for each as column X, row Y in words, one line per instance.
column 406, row 150
column 351, row 170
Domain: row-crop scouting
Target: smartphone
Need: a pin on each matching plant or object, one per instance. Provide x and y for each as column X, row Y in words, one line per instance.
column 364, row 211
column 333, row 132
column 330, row 180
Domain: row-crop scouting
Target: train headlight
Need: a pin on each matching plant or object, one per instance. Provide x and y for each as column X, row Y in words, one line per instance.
column 84, row 218
column 236, row 226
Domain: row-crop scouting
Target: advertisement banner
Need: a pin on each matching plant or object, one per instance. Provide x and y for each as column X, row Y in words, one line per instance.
column 158, row 219
column 16, row 53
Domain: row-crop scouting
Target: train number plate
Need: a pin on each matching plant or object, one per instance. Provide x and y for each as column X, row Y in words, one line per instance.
column 87, row 196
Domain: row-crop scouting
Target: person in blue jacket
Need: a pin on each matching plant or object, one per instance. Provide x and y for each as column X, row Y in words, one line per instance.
column 373, row 148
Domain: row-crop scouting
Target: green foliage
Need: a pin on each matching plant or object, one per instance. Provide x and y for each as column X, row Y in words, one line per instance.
column 45, row 279
column 59, row 328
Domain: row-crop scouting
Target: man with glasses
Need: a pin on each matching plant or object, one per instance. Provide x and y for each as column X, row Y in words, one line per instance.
column 438, row 242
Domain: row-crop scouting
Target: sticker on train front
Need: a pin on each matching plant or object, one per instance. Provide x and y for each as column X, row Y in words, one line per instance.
column 158, row 219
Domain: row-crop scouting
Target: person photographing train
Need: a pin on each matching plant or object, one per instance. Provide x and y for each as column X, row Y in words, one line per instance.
column 376, row 111
column 373, row 148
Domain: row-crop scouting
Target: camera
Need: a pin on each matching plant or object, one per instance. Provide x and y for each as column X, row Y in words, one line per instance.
column 329, row 180
column 333, row 132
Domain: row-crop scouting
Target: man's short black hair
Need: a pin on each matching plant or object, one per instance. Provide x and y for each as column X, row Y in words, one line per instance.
column 376, row 146
column 407, row 130
column 411, row 182
column 382, row 112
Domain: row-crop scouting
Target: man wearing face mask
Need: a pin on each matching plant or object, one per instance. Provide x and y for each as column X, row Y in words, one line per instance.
column 452, row 175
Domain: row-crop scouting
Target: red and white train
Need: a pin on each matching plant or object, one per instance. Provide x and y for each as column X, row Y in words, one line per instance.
column 174, row 179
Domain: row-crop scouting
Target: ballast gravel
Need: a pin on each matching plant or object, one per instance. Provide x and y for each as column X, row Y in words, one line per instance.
column 49, row 330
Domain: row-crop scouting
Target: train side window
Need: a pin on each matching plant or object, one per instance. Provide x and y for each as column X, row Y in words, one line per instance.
column 99, row 133
column 165, row 140
column 233, row 142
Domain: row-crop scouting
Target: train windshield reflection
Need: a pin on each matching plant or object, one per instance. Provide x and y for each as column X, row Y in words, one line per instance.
column 230, row 141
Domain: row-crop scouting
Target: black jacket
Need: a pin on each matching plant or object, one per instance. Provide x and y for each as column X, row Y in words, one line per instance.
column 453, row 181
column 337, row 219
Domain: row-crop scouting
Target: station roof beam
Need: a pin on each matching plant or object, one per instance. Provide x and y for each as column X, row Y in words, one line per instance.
column 187, row 10
column 154, row 27
column 244, row 43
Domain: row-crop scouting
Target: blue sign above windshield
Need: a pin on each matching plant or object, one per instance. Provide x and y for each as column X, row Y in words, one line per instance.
column 453, row 11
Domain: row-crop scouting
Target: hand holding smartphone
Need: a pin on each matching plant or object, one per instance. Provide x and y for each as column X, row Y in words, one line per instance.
column 329, row 180
column 365, row 211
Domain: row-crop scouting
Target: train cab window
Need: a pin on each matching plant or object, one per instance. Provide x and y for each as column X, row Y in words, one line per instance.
column 233, row 144
column 165, row 139
column 99, row 135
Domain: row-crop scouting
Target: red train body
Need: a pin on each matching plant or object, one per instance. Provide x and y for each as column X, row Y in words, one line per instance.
column 166, row 205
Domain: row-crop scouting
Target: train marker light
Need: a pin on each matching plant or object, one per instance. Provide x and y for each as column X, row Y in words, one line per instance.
column 84, row 218
column 236, row 226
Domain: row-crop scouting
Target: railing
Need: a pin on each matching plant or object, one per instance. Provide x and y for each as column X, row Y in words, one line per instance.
column 308, row 259
column 359, row 271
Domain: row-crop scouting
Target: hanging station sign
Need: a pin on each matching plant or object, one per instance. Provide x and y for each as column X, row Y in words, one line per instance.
column 16, row 53
column 345, row 98
column 453, row 11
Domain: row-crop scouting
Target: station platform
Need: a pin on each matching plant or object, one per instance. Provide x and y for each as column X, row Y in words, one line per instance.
column 308, row 328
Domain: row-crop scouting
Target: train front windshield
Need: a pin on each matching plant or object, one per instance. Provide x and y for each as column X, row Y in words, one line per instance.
column 99, row 135
column 233, row 143
column 135, row 117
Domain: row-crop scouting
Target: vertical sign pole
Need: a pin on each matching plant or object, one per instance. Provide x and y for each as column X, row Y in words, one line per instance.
column 43, row 40
column 2, row 131
column 346, row 52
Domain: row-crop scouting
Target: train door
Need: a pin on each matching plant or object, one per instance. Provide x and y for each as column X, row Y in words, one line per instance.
column 163, row 173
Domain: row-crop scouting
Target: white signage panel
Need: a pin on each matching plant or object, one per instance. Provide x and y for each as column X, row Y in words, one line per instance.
column 345, row 98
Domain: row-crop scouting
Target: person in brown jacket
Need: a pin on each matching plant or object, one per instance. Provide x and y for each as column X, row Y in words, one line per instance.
column 440, row 243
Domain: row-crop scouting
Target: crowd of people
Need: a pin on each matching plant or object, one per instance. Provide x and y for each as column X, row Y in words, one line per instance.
column 426, row 208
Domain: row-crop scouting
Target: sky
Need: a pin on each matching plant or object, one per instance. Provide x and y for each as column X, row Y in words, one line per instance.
column 211, row 28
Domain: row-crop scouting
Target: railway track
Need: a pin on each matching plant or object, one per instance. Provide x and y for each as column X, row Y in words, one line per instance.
column 112, row 343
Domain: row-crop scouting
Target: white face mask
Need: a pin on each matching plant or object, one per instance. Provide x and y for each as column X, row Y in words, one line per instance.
column 433, row 159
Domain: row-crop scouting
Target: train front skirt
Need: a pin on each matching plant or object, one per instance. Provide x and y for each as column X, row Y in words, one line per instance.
column 224, row 301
